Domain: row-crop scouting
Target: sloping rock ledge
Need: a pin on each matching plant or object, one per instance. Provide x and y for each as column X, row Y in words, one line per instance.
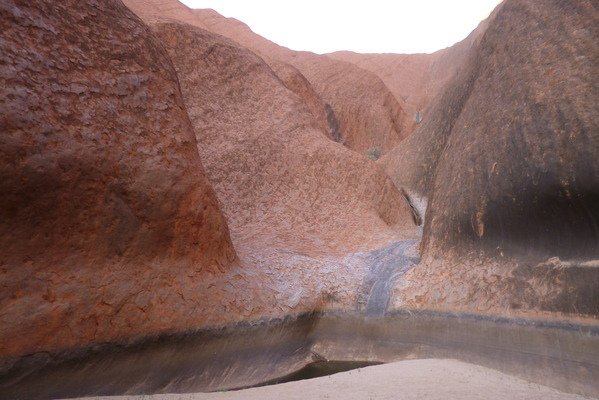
column 556, row 354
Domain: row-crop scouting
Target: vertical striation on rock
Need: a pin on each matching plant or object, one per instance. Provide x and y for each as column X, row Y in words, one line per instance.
column 524, row 147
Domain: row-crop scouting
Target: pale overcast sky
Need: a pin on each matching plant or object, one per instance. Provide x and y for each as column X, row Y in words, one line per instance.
column 373, row 26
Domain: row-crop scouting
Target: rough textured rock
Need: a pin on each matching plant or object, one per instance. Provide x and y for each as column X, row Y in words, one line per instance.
column 408, row 77
column 368, row 115
column 527, row 139
column 514, row 192
column 276, row 175
column 109, row 227
column 110, row 232
column 412, row 163
column 104, row 201
column 415, row 79
column 323, row 114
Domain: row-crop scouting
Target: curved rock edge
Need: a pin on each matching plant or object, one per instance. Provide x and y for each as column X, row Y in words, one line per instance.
column 557, row 354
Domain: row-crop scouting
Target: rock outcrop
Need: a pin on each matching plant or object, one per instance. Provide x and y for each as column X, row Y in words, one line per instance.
column 104, row 203
column 512, row 167
column 110, row 229
column 526, row 139
column 275, row 173
column 415, row 79
column 323, row 114
column 369, row 118
column 408, row 77
column 185, row 205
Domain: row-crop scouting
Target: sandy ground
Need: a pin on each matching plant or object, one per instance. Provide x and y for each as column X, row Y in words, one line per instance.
column 413, row 379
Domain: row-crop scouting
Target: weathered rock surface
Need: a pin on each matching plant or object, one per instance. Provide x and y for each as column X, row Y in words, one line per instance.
column 369, row 116
column 104, row 203
column 276, row 174
column 297, row 203
column 415, row 79
column 408, row 76
column 412, row 163
column 110, row 229
column 114, row 247
column 323, row 114
column 513, row 167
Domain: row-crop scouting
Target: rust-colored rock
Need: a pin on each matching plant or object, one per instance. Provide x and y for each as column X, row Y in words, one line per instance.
column 275, row 173
column 408, row 77
column 118, row 243
column 513, row 167
column 370, row 119
column 296, row 82
column 110, row 230
column 104, row 201
column 412, row 163
column 415, row 79
column 523, row 143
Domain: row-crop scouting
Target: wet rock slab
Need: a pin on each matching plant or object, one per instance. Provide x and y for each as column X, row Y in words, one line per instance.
column 563, row 356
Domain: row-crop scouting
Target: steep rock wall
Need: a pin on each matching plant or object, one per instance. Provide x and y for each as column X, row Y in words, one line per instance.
column 104, row 201
column 509, row 158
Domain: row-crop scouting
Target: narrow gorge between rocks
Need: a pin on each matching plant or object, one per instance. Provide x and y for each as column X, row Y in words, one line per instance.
column 191, row 211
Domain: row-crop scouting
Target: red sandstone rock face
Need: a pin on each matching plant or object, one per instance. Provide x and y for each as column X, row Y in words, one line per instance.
column 104, row 201
column 275, row 173
column 444, row 88
column 527, row 138
column 512, row 169
column 415, row 79
column 110, row 230
column 369, row 116
column 322, row 113
column 408, row 77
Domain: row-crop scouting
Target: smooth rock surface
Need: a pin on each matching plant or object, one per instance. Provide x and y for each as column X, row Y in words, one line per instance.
column 509, row 159
column 429, row 379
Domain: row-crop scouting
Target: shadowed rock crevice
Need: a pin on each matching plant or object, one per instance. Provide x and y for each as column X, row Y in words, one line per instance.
column 333, row 123
column 416, row 213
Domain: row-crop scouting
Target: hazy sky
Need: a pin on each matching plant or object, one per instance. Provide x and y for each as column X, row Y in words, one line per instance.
column 373, row 26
